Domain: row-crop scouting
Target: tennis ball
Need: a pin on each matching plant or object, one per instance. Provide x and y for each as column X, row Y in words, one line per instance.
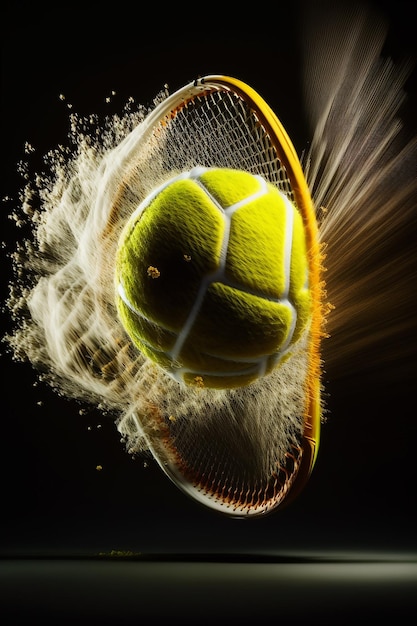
column 212, row 277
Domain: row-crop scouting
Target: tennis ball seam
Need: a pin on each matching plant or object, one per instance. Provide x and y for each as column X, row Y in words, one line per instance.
column 219, row 274
column 259, row 364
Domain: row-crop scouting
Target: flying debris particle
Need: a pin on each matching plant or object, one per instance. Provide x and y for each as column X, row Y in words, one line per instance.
column 29, row 148
column 153, row 272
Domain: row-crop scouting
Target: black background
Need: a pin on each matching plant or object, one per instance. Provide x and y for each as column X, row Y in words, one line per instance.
column 361, row 497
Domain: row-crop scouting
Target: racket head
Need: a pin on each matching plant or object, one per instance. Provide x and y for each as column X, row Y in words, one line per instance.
column 168, row 132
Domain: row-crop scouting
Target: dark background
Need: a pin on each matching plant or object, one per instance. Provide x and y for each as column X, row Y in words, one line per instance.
column 361, row 498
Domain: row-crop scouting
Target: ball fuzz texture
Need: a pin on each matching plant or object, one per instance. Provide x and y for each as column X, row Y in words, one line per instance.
column 212, row 277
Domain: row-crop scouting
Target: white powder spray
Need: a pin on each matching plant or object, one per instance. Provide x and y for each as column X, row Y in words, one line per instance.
column 361, row 171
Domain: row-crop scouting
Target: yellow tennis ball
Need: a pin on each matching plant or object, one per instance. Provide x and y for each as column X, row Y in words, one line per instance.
column 212, row 277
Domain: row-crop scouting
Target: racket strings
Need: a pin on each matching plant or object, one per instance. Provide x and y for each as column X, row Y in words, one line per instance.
column 219, row 129
column 239, row 448
column 230, row 469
